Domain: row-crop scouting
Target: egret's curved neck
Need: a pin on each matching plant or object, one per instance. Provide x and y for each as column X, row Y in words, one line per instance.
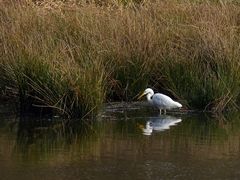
column 149, row 97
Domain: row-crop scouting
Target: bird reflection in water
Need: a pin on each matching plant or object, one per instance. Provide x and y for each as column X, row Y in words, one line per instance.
column 160, row 123
column 148, row 129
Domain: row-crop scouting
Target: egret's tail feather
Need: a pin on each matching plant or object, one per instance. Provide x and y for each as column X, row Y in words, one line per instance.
column 178, row 105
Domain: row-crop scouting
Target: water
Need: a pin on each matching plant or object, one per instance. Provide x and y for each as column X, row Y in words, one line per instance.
column 125, row 142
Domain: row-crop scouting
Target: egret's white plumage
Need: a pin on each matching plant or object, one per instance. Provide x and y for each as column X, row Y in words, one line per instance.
column 160, row 101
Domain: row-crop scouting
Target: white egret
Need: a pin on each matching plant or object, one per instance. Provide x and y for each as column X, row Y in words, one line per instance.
column 160, row 101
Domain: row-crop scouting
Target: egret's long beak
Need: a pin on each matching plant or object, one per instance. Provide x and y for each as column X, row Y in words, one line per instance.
column 139, row 97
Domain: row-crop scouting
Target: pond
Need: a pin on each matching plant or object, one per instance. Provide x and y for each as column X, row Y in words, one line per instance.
column 125, row 142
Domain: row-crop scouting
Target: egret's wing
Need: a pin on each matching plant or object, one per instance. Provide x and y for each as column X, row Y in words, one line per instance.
column 162, row 100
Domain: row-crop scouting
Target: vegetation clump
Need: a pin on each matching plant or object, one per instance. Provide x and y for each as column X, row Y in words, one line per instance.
column 73, row 56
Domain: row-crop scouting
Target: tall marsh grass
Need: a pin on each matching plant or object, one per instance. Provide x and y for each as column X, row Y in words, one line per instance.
column 72, row 57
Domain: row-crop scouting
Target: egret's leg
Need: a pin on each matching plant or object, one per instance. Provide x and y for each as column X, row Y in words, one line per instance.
column 165, row 111
column 160, row 111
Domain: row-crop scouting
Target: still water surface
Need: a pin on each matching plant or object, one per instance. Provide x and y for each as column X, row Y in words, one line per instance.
column 123, row 143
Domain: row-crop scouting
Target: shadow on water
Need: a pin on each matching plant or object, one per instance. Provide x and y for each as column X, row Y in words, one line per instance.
column 114, row 145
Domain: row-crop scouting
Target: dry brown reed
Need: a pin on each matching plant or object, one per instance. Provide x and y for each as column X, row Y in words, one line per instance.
column 72, row 56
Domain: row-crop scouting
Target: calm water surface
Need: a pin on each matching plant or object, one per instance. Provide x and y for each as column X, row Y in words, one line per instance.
column 125, row 142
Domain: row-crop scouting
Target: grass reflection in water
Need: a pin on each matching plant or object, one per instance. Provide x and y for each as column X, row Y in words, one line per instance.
column 115, row 143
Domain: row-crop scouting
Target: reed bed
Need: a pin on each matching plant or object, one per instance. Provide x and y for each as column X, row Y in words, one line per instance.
column 72, row 56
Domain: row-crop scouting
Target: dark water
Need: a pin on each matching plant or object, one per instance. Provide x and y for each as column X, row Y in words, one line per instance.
column 124, row 143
